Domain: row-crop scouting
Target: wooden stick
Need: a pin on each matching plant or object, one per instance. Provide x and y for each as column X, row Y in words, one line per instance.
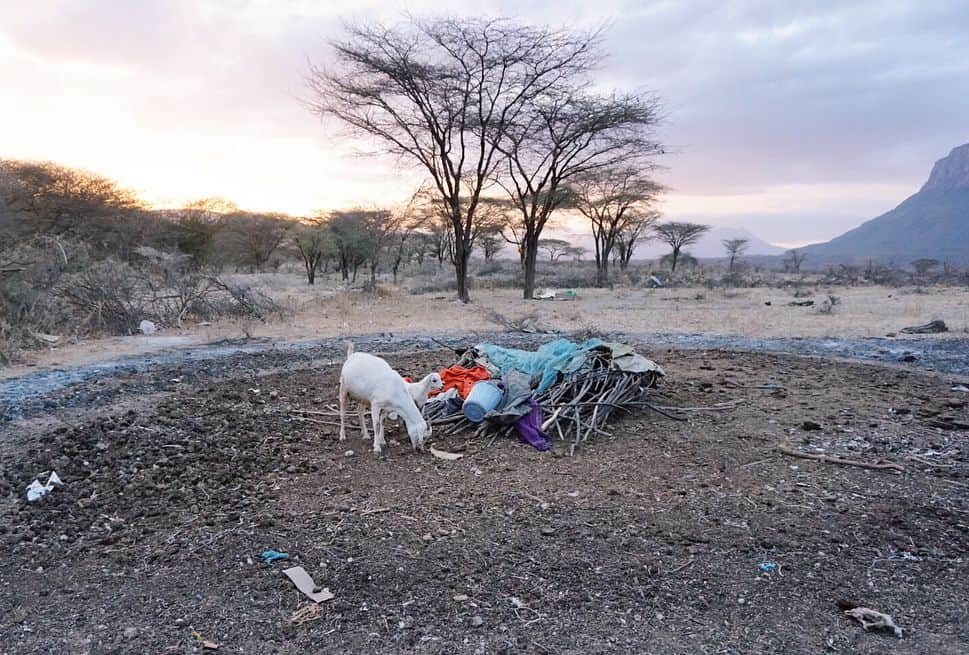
column 879, row 465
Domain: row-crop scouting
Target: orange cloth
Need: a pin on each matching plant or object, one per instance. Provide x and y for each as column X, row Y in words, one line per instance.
column 462, row 379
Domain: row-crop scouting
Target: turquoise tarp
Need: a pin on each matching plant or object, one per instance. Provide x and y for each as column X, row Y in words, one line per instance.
column 552, row 358
column 563, row 356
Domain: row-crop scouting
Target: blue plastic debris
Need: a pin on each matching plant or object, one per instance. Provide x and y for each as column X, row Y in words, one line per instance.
column 270, row 556
column 768, row 567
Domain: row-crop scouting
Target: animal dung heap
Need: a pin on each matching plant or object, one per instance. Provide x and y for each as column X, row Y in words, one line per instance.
column 564, row 389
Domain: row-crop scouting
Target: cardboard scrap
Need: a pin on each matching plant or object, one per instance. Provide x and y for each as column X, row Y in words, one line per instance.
column 443, row 454
column 305, row 583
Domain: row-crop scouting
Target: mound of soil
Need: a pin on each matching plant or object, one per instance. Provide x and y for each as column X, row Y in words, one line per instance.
column 667, row 537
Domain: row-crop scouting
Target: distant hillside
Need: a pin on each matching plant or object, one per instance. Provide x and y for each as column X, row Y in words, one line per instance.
column 711, row 245
column 932, row 223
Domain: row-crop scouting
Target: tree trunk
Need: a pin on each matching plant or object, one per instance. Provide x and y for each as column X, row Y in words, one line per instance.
column 602, row 271
column 530, row 244
column 461, row 273
column 676, row 255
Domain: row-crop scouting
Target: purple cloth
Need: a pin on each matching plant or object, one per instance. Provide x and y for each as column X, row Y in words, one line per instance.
column 529, row 427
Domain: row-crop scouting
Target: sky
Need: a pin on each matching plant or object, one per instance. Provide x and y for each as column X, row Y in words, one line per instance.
column 793, row 120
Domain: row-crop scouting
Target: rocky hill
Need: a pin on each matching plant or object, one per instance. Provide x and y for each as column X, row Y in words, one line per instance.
column 931, row 223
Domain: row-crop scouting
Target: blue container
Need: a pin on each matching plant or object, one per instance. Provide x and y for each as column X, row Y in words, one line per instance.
column 484, row 397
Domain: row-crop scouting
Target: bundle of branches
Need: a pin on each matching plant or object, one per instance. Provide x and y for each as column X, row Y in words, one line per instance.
column 574, row 408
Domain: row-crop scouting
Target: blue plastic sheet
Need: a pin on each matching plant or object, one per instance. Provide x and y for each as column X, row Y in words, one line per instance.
column 551, row 359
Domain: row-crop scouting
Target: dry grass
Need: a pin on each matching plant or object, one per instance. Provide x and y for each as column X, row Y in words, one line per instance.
column 328, row 310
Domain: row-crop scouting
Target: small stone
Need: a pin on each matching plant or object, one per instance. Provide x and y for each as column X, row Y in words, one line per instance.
column 477, row 621
column 741, row 601
column 274, row 395
column 130, row 633
column 548, row 531
column 810, row 425
column 460, row 598
column 291, row 468
column 349, row 453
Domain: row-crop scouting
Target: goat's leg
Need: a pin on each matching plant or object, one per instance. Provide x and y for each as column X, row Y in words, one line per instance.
column 343, row 410
column 363, row 420
column 378, row 428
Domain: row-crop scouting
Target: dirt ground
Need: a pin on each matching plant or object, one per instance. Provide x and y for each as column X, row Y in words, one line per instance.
column 328, row 311
column 648, row 541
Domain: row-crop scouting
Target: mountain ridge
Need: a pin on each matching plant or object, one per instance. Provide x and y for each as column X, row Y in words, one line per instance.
column 933, row 222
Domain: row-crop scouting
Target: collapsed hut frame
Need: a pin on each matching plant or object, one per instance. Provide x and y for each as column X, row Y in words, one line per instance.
column 574, row 408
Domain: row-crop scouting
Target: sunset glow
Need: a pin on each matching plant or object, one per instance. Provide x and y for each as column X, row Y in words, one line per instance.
column 181, row 100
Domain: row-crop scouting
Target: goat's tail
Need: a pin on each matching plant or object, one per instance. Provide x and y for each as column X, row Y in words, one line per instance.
column 349, row 348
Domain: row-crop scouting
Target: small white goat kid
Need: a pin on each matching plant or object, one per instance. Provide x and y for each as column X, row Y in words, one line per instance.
column 420, row 390
column 372, row 383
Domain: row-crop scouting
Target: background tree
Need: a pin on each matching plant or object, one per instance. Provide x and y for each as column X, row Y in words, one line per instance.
column 313, row 242
column 612, row 199
column 637, row 229
column 423, row 245
column 924, row 265
column 793, row 261
column 575, row 252
column 555, row 248
column 258, row 236
column 406, row 240
column 734, row 248
column 678, row 235
column 195, row 226
column 351, row 241
column 491, row 241
column 443, row 94
column 513, row 235
column 43, row 198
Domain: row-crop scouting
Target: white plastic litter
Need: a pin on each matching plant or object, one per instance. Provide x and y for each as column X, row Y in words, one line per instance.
column 442, row 397
column 36, row 490
column 147, row 327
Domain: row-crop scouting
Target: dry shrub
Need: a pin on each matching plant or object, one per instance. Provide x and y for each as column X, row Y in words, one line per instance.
column 52, row 289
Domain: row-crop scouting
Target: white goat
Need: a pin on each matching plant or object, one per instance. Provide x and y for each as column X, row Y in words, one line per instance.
column 372, row 383
column 420, row 390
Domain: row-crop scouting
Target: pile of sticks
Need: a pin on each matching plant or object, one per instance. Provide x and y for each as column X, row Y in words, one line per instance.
column 574, row 408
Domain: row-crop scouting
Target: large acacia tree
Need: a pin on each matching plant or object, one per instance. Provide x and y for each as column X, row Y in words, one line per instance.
column 445, row 94
column 568, row 133
column 615, row 201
